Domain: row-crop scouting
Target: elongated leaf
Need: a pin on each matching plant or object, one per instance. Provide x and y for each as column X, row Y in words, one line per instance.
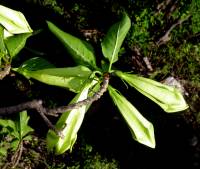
column 3, row 50
column 71, row 78
column 13, row 21
column 22, row 125
column 34, row 64
column 114, row 39
column 7, row 34
column 167, row 97
column 81, row 51
column 15, row 44
column 141, row 129
column 69, row 123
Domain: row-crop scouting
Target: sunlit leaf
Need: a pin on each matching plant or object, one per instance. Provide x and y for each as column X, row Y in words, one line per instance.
column 114, row 38
column 168, row 98
column 7, row 34
column 69, row 123
column 142, row 130
column 71, row 78
column 13, row 21
column 81, row 51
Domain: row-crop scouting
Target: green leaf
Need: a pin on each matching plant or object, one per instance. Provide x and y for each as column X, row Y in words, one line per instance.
column 81, row 51
column 114, row 38
column 13, row 21
column 3, row 151
column 71, row 78
column 3, row 50
column 22, row 125
column 28, row 138
column 69, row 123
column 15, row 43
column 33, row 64
column 15, row 144
column 167, row 97
column 141, row 129
column 7, row 124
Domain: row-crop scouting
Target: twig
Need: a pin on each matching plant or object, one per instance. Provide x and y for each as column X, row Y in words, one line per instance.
column 167, row 7
column 163, row 5
column 148, row 63
column 166, row 37
column 172, row 9
column 43, row 111
column 193, row 37
column 17, row 155
column 34, row 104
column 5, row 71
column 87, row 101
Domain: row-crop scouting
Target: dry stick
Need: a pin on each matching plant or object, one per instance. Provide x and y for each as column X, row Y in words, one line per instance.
column 37, row 104
column 42, row 111
column 173, row 7
column 17, row 155
column 5, row 71
column 163, row 5
column 166, row 4
column 34, row 104
column 166, row 37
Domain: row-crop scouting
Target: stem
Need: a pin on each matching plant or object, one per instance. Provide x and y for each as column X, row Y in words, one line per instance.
column 109, row 69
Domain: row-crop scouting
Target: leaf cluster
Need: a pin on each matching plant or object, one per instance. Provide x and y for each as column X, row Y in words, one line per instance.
column 13, row 132
column 83, row 54
column 14, row 30
column 87, row 75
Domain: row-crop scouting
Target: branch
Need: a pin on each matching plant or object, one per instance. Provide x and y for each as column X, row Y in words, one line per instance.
column 43, row 111
column 34, row 104
column 5, row 71
column 87, row 101
column 167, row 7
column 163, row 5
column 166, row 37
